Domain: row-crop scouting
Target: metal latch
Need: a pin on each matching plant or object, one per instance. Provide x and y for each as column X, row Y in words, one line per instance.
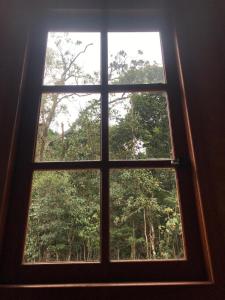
column 175, row 162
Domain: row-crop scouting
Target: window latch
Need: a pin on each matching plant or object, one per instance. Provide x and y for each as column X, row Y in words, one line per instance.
column 175, row 162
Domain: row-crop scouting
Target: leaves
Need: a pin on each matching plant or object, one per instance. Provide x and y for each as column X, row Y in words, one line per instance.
column 64, row 216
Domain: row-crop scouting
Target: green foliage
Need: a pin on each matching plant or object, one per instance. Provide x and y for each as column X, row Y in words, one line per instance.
column 145, row 214
column 64, row 216
column 146, row 122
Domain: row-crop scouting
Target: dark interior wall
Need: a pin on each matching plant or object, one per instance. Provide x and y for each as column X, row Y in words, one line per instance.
column 13, row 43
column 200, row 31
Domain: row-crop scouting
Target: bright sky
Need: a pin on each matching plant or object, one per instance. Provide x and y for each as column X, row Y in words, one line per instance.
column 131, row 42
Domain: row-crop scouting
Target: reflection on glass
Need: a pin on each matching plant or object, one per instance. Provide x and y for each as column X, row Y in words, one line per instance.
column 72, row 58
column 138, row 126
column 69, row 127
column 145, row 216
column 135, row 58
column 64, row 217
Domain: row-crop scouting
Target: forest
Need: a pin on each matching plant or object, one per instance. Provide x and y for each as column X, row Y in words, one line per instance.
column 65, row 205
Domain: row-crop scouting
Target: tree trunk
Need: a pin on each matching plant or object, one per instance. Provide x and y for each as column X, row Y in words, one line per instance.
column 146, row 236
column 133, row 244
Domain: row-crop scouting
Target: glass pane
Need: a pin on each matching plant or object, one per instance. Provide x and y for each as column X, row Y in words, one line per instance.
column 145, row 216
column 135, row 58
column 69, row 127
column 72, row 58
column 64, row 217
column 138, row 126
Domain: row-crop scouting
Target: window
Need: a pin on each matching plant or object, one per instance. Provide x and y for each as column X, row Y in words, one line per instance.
column 102, row 186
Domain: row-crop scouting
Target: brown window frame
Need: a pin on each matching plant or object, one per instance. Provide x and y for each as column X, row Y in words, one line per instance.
column 192, row 268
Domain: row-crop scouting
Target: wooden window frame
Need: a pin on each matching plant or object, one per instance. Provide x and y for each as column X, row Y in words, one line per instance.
column 193, row 267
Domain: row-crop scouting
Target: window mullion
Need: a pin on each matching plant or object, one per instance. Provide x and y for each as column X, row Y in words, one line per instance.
column 152, row 87
column 70, row 165
column 104, row 151
column 71, row 88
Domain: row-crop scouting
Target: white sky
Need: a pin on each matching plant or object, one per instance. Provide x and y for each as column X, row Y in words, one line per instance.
column 131, row 42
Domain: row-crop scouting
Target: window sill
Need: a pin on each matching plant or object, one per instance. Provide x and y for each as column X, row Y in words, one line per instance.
column 107, row 285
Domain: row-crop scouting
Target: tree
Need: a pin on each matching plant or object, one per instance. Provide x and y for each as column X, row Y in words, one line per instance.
column 61, row 68
column 64, row 216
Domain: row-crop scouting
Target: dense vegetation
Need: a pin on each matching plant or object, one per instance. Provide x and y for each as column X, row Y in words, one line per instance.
column 64, row 216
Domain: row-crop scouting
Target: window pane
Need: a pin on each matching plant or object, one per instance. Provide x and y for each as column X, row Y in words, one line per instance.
column 145, row 216
column 72, row 58
column 69, row 127
column 135, row 58
column 64, row 217
column 139, row 126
